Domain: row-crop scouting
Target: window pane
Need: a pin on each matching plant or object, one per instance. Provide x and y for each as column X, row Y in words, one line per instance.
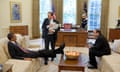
column 94, row 14
column 69, row 11
column 45, row 7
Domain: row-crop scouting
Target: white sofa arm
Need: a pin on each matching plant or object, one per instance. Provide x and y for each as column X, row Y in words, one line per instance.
column 24, row 66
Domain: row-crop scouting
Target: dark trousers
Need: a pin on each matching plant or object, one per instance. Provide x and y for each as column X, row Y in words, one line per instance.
column 40, row 53
column 92, row 53
column 95, row 52
column 50, row 40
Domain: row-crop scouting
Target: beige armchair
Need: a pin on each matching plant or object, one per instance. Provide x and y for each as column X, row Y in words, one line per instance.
column 18, row 65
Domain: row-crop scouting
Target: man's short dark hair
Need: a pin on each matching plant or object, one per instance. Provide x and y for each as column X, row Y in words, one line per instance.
column 10, row 35
column 98, row 31
column 51, row 13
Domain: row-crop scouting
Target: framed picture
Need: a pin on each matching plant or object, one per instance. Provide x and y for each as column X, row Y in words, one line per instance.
column 15, row 12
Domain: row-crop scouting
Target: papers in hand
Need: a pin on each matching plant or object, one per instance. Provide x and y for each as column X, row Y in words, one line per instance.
column 53, row 26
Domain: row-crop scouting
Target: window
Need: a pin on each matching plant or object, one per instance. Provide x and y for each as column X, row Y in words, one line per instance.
column 45, row 7
column 94, row 14
column 70, row 14
column 69, row 11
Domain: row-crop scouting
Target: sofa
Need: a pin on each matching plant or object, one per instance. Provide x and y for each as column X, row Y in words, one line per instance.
column 17, row 65
column 111, row 63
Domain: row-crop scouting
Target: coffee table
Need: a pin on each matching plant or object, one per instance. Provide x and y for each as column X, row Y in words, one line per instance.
column 73, row 65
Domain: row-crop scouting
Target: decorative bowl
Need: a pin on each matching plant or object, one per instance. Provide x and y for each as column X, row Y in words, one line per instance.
column 72, row 54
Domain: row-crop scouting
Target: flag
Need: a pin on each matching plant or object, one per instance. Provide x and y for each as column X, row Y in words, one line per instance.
column 84, row 14
column 53, row 10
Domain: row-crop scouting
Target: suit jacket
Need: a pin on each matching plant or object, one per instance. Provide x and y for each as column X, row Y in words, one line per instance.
column 84, row 22
column 45, row 30
column 15, row 51
column 101, row 45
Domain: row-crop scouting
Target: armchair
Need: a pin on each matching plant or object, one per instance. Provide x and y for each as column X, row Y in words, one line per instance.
column 18, row 65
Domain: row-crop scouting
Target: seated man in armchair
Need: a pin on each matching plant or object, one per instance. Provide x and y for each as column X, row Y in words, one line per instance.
column 17, row 52
column 100, row 48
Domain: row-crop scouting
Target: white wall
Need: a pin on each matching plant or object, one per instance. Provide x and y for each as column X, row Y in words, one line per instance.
column 5, row 15
column 113, row 13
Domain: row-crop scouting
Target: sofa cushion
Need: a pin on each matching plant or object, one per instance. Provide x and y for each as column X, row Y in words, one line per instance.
column 111, row 63
column 115, row 46
column 19, row 39
column 3, row 52
column 20, row 65
column 35, row 43
column 25, row 41
column 6, row 49
column 24, row 66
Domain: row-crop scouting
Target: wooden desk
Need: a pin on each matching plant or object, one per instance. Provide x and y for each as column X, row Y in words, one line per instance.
column 114, row 34
column 72, row 37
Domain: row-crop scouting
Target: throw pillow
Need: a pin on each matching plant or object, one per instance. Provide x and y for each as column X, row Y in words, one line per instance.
column 115, row 46
column 19, row 39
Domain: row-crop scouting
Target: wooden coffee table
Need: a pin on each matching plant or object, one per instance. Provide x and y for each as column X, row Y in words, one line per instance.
column 73, row 65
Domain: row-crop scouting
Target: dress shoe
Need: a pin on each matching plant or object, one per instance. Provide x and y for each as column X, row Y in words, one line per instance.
column 60, row 50
column 52, row 59
column 46, row 63
column 62, row 46
column 92, row 66
column 46, row 60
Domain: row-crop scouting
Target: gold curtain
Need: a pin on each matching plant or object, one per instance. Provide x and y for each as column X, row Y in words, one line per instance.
column 104, row 17
column 59, row 10
column 35, row 19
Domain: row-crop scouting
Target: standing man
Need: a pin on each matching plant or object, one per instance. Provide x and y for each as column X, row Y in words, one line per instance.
column 84, row 21
column 100, row 48
column 50, row 27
